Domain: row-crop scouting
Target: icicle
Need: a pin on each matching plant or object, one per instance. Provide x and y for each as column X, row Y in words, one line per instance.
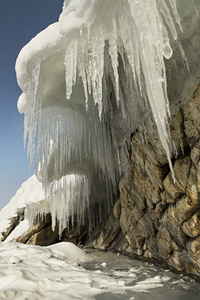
column 32, row 114
column 113, row 51
column 175, row 12
column 184, row 58
column 178, row 133
column 175, row 149
column 168, row 18
column 70, row 67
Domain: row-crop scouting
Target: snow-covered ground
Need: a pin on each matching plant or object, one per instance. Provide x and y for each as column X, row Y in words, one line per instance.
column 63, row 271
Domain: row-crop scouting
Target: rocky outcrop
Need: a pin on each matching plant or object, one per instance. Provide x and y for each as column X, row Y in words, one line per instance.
column 160, row 216
column 41, row 233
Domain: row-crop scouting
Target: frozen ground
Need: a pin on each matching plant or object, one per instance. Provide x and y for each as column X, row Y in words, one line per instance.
column 63, row 271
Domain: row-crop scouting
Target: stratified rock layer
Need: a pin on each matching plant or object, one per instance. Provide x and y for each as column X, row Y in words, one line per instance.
column 160, row 217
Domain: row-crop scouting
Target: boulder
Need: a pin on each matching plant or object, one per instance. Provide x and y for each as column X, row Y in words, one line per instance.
column 44, row 237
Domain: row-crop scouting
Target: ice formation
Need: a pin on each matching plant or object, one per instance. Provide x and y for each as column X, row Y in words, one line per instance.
column 89, row 80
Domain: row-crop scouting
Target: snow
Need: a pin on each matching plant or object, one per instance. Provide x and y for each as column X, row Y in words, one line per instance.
column 62, row 271
column 30, row 191
column 69, row 250
column 87, row 80
column 46, row 39
column 18, row 231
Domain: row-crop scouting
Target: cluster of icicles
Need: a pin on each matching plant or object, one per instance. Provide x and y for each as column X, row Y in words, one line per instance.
column 116, row 56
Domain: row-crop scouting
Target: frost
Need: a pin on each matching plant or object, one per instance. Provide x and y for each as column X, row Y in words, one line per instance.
column 90, row 80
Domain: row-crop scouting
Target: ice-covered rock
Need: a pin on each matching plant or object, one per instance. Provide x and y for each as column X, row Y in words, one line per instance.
column 88, row 81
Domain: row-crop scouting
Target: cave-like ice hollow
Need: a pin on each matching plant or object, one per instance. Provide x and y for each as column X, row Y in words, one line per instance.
column 88, row 81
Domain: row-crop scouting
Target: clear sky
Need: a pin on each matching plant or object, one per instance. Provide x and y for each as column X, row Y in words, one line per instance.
column 20, row 20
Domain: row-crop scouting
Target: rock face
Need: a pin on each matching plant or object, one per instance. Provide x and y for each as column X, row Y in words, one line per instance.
column 160, row 217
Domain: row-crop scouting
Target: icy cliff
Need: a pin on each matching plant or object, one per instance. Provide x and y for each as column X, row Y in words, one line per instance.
column 88, row 81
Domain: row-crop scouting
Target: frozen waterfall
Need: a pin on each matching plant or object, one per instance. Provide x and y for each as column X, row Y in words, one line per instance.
column 88, row 81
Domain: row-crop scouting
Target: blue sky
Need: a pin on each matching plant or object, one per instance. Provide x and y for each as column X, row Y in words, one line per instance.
column 20, row 20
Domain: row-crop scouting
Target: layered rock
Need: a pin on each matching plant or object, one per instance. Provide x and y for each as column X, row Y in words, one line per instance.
column 160, row 217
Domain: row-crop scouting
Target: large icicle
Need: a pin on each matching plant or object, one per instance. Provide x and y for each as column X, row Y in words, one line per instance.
column 138, row 25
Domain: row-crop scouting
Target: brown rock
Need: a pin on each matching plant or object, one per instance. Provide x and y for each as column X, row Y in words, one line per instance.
column 181, row 171
column 124, row 190
column 146, row 227
column 191, row 132
column 139, row 198
column 159, row 209
column 151, row 245
column 174, row 228
column 153, row 147
column 138, row 184
column 180, row 261
column 135, row 214
column 178, row 139
column 172, row 189
column 191, row 119
column 195, row 153
column 136, row 238
column 130, row 229
column 131, row 241
column 198, row 177
column 193, row 248
column 108, row 233
column 185, row 208
column 192, row 226
column 163, row 196
column 154, row 217
column 152, row 192
column 117, row 209
column 137, row 157
column 32, row 230
column 192, row 190
column 164, row 243
column 123, row 220
column 44, row 237
column 120, row 243
column 155, row 173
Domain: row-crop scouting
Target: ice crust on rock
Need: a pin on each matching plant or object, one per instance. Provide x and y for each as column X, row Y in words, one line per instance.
column 30, row 193
column 95, row 74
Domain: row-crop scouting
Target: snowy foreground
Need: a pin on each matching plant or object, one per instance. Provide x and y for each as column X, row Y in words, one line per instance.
column 63, row 271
